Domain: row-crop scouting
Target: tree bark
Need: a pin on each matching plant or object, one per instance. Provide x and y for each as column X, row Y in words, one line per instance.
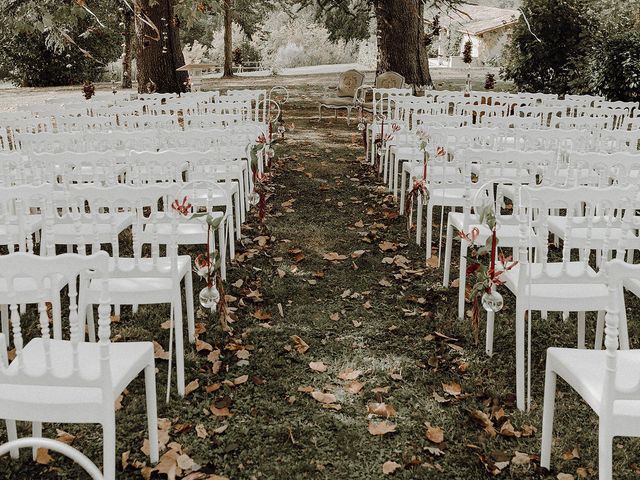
column 228, row 40
column 401, row 46
column 158, row 53
column 127, row 20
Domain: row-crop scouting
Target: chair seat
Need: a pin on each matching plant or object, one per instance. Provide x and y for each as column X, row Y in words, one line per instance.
column 191, row 233
column 508, row 235
column 581, row 296
column 584, row 370
column 32, row 223
column 337, row 102
column 69, row 232
column 446, row 196
column 598, row 233
column 27, row 289
column 145, row 267
column 126, row 360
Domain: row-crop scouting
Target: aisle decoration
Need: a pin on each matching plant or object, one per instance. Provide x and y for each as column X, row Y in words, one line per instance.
column 483, row 279
column 207, row 265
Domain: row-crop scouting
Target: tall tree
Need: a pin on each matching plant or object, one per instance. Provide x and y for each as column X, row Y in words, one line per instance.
column 228, row 38
column 127, row 46
column 158, row 49
column 400, row 31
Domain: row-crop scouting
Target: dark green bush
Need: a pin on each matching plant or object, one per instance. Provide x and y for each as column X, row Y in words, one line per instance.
column 615, row 67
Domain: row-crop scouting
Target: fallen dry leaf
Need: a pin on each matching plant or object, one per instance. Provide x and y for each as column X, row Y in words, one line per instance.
column 323, row 397
column 334, row 257
column 241, row 379
column 354, row 387
column 381, row 428
column 191, row 387
column 388, row 246
column 453, row 389
column 565, row 476
column 43, row 457
column 220, row 412
column 485, row 421
column 349, row 374
column 433, row 261
column 520, row 458
column 64, row 437
column 381, row 410
column 435, row 434
column 201, row 432
column 334, row 316
column 571, row 454
column 389, row 467
column 301, row 345
column 318, row 366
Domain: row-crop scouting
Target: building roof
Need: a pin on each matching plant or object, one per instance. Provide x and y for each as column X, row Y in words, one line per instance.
column 476, row 19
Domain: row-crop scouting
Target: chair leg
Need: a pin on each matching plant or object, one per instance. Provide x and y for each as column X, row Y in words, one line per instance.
column 447, row 255
column 36, row 432
column 581, row 329
column 56, row 314
column 623, row 328
column 428, row 234
column 4, row 319
column 462, row 279
column 520, row 354
column 12, row 434
column 547, row 417
column 152, row 409
column 178, row 330
column 109, row 446
column 188, row 292
column 419, row 222
column 605, row 451
column 403, row 191
column 91, row 325
column 599, row 330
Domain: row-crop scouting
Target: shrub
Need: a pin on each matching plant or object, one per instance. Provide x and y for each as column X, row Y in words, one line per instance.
column 29, row 61
column 615, row 67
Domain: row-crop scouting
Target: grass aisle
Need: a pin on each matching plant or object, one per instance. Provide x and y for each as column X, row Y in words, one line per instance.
column 346, row 356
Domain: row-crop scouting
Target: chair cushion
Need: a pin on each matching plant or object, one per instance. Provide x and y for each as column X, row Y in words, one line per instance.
column 337, row 101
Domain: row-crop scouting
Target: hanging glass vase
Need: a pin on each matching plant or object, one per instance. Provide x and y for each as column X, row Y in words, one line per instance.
column 254, row 198
column 492, row 301
column 209, row 297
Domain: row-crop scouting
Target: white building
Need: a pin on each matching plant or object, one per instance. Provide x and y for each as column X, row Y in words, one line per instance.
column 488, row 28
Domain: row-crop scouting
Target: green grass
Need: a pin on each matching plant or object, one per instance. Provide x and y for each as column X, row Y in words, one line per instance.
column 279, row 432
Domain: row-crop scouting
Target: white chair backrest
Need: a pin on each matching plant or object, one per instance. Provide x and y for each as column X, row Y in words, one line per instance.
column 47, row 273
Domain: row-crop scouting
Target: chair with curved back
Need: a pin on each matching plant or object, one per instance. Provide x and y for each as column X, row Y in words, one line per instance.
column 348, row 85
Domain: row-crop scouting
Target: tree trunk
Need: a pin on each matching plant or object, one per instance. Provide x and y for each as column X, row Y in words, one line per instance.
column 228, row 40
column 127, row 20
column 158, row 53
column 401, row 46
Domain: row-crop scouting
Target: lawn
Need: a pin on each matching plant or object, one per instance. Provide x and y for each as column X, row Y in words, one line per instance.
column 341, row 326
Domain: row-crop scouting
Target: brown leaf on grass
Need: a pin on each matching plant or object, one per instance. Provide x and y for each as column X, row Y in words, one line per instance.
column 334, row 257
column 381, row 428
column 565, row 476
column 201, row 432
column 433, row 261
column 435, row 434
column 261, row 315
column 334, row 316
column 220, row 412
column 191, row 387
column 306, row 389
column 381, row 409
column 43, row 457
column 203, row 346
column 455, row 283
column 528, row 430
column 387, row 246
column 349, row 374
column 359, row 224
column 323, row 397
column 318, row 366
column 243, row 354
column 520, row 458
column 453, row 388
column 158, row 351
column 301, row 345
column 484, row 421
column 240, row 380
column 389, row 467
column 64, row 437
column 354, row 387
column 357, row 253
column 571, row 454
column 507, row 430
